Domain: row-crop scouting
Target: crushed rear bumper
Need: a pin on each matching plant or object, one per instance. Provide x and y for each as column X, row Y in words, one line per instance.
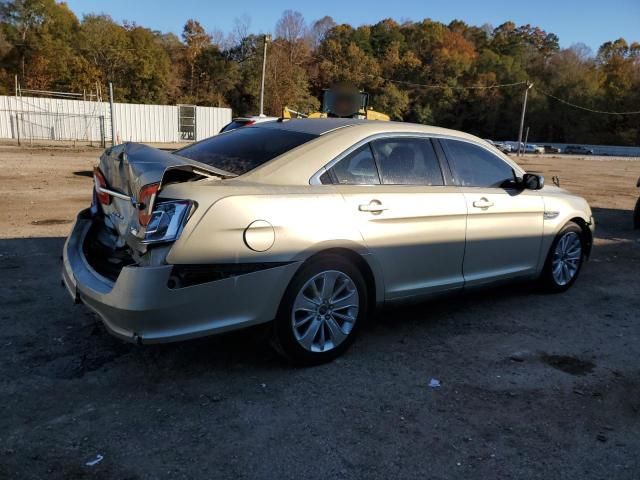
column 140, row 307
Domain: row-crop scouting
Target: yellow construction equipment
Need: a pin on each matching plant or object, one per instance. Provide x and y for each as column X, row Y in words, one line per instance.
column 341, row 103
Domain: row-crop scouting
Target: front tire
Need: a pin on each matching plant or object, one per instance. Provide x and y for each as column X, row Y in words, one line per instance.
column 321, row 311
column 565, row 259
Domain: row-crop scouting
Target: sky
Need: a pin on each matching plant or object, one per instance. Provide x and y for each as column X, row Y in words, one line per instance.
column 591, row 22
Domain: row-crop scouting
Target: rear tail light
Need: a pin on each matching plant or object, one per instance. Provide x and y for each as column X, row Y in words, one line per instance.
column 250, row 122
column 167, row 221
column 100, row 183
column 146, row 199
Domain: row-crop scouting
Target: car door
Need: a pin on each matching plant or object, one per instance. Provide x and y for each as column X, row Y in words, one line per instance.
column 411, row 221
column 504, row 224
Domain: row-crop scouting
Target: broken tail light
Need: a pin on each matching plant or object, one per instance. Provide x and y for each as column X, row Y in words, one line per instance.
column 167, row 221
column 146, row 198
column 100, row 183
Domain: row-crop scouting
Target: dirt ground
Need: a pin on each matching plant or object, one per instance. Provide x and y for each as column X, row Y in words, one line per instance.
column 532, row 386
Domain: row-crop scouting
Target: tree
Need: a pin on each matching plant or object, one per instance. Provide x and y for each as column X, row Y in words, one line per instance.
column 289, row 65
column 383, row 34
column 247, row 57
column 148, row 75
column 239, row 36
column 318, row 31
column 391, row 100
column 286, row 82
column 195, row 39
column 42, row 36
column 417, row 71
column 24, row 18
column 174, row 49
column 107, row 47
column 291, row 29
column 216, row 77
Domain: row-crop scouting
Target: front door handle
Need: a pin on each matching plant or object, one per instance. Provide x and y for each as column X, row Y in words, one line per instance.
column 374, row 206
column 483, row 203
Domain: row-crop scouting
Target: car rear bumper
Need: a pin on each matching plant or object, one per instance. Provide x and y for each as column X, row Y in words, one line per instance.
column 140, row 307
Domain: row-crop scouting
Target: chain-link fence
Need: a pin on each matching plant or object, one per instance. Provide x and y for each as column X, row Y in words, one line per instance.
column 36, row 115
column 46, row 115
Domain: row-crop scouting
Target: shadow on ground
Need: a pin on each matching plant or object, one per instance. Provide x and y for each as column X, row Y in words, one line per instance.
column 532, row 386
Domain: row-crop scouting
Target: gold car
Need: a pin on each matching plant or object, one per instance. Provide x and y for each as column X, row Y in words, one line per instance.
column 310, row 225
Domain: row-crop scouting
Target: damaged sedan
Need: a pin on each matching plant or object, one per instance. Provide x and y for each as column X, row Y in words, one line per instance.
column 307, row 226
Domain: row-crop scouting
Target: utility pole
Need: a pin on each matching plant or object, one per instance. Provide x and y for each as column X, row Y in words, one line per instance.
column 113, row 128
column 267, row 38
column 524, row 109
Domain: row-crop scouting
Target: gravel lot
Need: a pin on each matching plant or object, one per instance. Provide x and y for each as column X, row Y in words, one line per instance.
column 532, row 386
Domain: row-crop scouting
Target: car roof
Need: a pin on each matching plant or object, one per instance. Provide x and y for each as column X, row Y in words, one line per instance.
column 323, row 126
column 314, row 126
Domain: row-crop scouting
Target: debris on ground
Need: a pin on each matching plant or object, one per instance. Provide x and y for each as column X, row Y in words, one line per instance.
column 520, row 356
column 434, row 383
column 95, row 461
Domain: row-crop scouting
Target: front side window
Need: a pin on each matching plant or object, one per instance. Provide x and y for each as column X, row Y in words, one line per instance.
column 407, row 161
column 473, row 166
column 244, row 149
column 357, row 168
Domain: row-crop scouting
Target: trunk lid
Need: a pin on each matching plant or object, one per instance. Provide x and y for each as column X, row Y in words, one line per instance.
column 127, row 168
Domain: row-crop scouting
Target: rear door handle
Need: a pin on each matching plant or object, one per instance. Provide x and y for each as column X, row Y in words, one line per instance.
column 483, row 203
column 374, row 206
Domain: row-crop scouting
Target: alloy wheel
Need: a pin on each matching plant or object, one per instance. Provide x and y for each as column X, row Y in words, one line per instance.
column 566, row 258
column 325, row 311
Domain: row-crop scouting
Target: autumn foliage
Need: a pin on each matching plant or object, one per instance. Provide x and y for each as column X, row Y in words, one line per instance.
column 415, row 71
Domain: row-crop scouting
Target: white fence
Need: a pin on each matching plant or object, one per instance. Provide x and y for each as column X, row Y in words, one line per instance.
column 27, row 118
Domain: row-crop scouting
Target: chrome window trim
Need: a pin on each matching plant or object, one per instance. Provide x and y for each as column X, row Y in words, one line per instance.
column 315, row 178
column 336, row 129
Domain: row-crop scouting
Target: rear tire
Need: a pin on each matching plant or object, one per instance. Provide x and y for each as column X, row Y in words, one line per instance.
column 321, row 311
column 564, row 260
column 636, row 216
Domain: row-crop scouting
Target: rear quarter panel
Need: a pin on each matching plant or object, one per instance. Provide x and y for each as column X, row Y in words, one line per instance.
column 304, row 221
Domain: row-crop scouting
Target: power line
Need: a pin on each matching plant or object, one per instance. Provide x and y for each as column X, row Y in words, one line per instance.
column 456, row 87
column 585, row 108
column 503, row 85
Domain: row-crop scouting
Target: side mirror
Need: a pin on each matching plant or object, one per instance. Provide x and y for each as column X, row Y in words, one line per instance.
column 532, row 181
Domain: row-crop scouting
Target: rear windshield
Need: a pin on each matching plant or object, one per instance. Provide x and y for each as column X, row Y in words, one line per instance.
column 244, row 149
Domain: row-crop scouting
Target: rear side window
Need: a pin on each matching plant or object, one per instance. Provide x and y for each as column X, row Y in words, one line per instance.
column 244, row 149
column 357, row 168
column 407, row 161
column 474, row 166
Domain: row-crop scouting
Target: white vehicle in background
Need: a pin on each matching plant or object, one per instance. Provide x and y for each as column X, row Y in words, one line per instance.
column 528, row 148
column 503, row 147
column 246, row 121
